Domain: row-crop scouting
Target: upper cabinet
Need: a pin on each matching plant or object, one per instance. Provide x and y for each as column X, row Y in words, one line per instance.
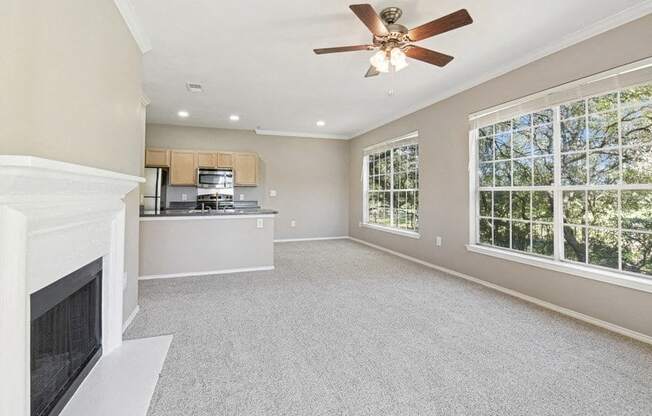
column 157, row 158
column 183, row 164
column 207, row 159
column 183, row 167
column 245, row 167
column 225, row 160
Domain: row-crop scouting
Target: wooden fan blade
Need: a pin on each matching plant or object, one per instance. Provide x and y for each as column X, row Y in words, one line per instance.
column 371, row 72
column 443, row 24
column 343, row 49
column 426, row 55
column 370, row 18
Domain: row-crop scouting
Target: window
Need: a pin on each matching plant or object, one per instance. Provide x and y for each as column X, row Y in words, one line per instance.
column 516, row 166
column 391, row 185
column 570, row 182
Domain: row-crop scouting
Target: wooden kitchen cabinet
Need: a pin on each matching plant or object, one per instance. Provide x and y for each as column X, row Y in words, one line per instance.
column 207, row 159
column 225, row 160
column 183, row 167
column 245, row 167
column 157, row 158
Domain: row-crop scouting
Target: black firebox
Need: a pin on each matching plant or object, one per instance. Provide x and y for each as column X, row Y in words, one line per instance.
column 66, row 337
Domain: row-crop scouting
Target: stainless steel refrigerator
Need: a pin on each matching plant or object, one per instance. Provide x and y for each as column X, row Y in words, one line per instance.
column 154, row 189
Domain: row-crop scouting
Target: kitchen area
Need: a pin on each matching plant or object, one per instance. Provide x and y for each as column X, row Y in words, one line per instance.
column 196, row 217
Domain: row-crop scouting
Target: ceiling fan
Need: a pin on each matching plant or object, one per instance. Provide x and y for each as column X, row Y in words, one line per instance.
column 394, row 41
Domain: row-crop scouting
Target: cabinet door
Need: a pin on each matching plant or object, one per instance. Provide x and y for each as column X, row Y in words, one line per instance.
column 157, row 158
column 245, row 166
column 225, row 160
column 206, row 160
column 183, row 168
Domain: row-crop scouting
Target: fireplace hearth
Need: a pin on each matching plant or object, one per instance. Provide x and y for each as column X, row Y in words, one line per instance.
column 66, row 337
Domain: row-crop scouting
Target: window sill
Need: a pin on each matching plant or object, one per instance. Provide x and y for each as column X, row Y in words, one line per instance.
column 606, row 276
column 404, row 233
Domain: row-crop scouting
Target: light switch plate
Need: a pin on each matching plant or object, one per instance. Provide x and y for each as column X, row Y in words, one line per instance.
column 241, row 197
column 272, row 192
column 184, row 197
column 438, row 241
column 259, row 223
column 293, row 223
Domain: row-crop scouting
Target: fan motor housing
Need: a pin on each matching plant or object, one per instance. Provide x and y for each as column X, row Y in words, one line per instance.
column 397, row 33
column 391, row 15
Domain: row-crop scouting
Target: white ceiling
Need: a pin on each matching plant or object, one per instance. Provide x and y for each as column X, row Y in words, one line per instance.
column 254, row 58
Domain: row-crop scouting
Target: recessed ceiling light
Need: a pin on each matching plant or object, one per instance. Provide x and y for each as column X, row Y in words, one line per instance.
column 321, row 123
column 234, row 117
column 183, row 114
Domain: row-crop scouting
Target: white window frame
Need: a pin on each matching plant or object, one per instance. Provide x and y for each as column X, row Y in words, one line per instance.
column 388, row 145
column 556, row 262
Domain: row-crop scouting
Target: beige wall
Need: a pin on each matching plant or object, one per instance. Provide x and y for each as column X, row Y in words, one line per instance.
column 71, row 91
column 310, row 176
column 444, row 184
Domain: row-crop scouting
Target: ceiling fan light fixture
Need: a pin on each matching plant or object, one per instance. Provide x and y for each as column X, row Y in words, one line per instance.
column 393, row 41
column 397, row 58
column 379, row 61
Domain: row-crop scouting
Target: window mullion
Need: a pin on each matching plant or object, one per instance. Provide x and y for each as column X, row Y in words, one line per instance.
column 391, row 189
column 365, row 188
column 558, row 209
column 620, row 181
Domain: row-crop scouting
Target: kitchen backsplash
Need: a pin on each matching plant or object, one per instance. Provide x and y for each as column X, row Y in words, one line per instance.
column 176, row 193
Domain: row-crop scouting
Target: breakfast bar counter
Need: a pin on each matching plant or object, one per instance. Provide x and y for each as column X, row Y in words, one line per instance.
column 192, row 243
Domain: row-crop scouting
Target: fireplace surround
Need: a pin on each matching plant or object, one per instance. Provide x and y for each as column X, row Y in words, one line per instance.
column 55, row 218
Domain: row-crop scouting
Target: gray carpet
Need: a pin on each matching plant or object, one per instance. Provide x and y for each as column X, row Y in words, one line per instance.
column 342, row 329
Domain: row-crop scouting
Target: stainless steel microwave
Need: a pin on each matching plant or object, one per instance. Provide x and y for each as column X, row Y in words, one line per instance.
column 215, row 178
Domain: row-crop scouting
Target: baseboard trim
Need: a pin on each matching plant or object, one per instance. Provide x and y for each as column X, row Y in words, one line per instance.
column 130, row 319
column 191, row 274
column 292, row 240
column 564, row 311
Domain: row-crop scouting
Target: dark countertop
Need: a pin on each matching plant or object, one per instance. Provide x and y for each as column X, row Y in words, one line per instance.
column 199, row 213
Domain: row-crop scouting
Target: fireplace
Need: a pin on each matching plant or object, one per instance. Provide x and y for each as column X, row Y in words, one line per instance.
column 66, row 337
column 57, row 220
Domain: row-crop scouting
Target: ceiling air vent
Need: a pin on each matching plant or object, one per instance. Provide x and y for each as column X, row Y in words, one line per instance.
column 193, row 87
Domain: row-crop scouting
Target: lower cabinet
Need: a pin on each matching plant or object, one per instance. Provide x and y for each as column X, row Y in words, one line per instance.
column 183, row 168
column 245, row 167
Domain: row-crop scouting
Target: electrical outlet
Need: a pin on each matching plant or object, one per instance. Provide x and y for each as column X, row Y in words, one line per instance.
column 272, row 192
column 293, row 223
column 184, row 197
column 438, row 241
column 259, row 223
column 241, row 197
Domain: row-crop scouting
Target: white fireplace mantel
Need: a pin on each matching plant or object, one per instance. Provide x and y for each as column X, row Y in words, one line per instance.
column 55, row 217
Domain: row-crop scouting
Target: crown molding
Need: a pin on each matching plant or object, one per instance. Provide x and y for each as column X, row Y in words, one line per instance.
column 262, row 132
column 126, row 9
column 625, row 16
